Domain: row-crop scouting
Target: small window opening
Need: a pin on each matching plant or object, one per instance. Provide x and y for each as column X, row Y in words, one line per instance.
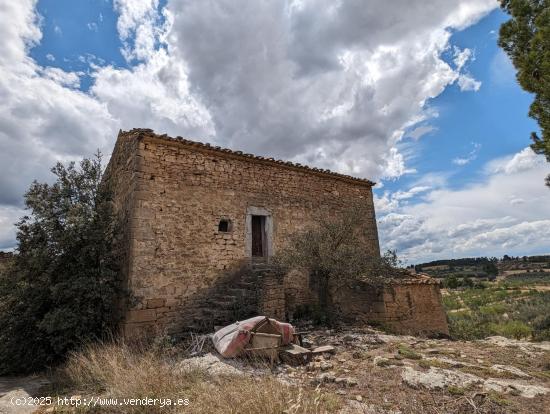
column 224, row 225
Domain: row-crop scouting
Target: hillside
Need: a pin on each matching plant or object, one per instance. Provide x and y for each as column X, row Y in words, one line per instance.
column 485, row 267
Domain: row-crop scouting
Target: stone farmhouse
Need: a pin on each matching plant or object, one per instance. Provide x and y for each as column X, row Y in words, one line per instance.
column 199, row 223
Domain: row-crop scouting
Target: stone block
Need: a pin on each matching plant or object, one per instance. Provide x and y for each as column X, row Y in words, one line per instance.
column 144, row 315
column 156, row 303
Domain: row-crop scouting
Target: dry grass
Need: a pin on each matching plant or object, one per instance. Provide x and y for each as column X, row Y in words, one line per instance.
column 120, row 371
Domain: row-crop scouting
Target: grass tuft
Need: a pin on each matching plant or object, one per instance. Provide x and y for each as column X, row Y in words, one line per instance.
column 407, row 352
column 117, row 370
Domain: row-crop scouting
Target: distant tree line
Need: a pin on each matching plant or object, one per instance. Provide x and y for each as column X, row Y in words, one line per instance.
column 466, row 261
column 485, row 262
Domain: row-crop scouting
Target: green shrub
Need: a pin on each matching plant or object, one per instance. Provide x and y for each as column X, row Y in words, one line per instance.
column 62, row 288
column 512, row 329
column 451, row 282
column 467, row 326
column 452, row 302
column 493, row 309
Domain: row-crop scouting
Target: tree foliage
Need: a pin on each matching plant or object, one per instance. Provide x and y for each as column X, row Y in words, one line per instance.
column 62, row 288
column 337, row 252
column 526, row 40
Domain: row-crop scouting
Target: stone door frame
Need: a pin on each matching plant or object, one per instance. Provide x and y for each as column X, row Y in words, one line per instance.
column 259, row 211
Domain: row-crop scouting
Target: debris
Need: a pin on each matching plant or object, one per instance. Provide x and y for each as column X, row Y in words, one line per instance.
column 197, row 344
column 295, row 355
column 324, row 378
column 325, row 366
column 233, row 339
column 323, row 349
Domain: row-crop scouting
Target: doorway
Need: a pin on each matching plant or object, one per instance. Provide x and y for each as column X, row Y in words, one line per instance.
column 259, row 248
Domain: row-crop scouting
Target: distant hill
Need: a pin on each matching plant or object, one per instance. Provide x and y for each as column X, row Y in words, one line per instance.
column 484, row 266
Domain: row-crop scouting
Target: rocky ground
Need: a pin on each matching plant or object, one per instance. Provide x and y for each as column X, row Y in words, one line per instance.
column 379, row 373
column 375, row 373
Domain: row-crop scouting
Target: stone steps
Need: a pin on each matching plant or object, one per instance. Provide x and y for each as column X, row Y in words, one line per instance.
column 236, row 300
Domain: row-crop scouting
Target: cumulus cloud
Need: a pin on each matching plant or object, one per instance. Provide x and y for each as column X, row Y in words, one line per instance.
column 330, row 84
column 484, row 219
column 333, row 84
column 43, row 118
column 522, row 161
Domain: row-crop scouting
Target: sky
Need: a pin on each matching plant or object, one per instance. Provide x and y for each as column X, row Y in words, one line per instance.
column 416, row 96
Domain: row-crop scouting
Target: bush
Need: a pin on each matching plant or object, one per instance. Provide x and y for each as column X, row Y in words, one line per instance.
column 451, row 282
column 338, row 252
column 512, row 329
column 497, row 311
column 62, row 288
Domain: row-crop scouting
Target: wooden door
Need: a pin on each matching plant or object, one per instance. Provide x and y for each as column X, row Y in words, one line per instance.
column 258, row 238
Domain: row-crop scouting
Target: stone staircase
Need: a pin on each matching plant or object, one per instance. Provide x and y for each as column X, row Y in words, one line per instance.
column 235, row 300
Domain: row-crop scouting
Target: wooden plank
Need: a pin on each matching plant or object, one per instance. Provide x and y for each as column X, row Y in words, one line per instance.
column 266, row 335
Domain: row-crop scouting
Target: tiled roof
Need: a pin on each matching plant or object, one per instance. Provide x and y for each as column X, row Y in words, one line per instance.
column 142, row 132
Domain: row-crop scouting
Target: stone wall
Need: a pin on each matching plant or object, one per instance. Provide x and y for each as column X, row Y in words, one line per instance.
column 409, row 306
column 172, row 195
column 121, row 176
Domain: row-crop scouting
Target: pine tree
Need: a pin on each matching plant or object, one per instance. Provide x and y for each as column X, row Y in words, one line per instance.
column 526, row 40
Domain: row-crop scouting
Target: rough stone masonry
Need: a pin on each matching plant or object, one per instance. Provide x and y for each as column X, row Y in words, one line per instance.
column 198, row 223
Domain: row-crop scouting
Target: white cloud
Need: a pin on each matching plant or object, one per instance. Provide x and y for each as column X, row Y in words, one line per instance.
column 405, row 195
column 335, row 97
column 43, row 119
column 467, row 83
column 506, row 213
column 420, row 131
column 9, row 215
column 522, row 161
column 472, row 155
column 461, row 57
column 329, row 84
column 59, row 76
